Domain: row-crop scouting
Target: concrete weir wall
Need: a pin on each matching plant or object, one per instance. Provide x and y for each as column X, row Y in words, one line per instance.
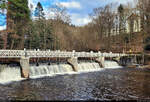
column 24, row 64
column 101, row 61
column 74, row 62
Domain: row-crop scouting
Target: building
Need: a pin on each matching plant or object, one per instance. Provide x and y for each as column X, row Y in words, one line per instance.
column 133, row 23
column 129, row 37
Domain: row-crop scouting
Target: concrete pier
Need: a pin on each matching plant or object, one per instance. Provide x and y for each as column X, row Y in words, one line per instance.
column 74, row 63
column 24, row 65
column 101, row 61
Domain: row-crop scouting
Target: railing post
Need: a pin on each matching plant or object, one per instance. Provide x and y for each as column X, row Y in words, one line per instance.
column 25, row 52
column 73, row 53
column 99, row 54
column 91, row 54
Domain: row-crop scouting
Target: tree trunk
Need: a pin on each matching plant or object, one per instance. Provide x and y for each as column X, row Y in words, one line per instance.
column 12, row 44
column 5, row 41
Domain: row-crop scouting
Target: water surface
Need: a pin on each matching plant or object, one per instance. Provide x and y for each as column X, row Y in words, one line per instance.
column 108, row 84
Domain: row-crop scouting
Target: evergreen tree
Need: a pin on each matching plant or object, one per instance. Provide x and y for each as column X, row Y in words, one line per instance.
column 33, row 39
column 18, row 16
column 121, row 19
column 45, row 33
column 39, row 11
column 49, row 36
column 39, row 38
column 44, row 28
column 2, row 5
column 120, row 9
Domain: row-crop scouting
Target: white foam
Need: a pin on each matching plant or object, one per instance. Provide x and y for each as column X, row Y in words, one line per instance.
column 112, row 64
column 9, row 74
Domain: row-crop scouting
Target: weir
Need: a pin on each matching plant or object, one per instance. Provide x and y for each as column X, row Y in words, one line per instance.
column 12, row 73
column 71, row 58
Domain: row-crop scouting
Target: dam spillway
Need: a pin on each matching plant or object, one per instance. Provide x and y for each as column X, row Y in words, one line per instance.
column 31, row 63
column 12, row 73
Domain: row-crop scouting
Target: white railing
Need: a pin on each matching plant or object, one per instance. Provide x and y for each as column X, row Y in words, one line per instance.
column 48, row 53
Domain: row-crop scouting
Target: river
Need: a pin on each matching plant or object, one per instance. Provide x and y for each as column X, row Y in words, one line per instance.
column 110, row 83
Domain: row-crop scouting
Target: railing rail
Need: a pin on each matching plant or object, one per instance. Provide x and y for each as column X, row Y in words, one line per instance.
column 48, row 53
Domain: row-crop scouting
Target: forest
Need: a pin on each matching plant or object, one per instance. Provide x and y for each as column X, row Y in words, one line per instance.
column 115, row 28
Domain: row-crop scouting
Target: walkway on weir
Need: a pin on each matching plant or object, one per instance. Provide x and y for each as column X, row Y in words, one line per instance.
column 58, row 53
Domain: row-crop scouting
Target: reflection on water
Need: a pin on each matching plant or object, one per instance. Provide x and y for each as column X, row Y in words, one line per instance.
column 109, row 84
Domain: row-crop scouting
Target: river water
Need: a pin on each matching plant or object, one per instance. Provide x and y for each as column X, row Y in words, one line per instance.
column 90, row 83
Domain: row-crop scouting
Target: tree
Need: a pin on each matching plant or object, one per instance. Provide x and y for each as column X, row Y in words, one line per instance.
column 39, row 38
column 122, row 19
column 3, row 39
column 60, row 13
column 2, row 6
column 44, row 28
column 18, row 16
column 32, row 38
column 144, row 9
column 45, row 33
column 103, row 20
column 39, row 11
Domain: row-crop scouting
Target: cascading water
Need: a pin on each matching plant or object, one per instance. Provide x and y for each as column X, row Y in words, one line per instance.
column 112, row 64
column 88, row 66
column 9, row 74
column 49, row 70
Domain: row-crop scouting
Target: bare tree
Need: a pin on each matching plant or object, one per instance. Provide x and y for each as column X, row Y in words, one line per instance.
column 59, row 13
column 103, row 19
column 144, row 8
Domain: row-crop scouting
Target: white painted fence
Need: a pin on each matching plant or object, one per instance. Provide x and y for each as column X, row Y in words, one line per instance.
column 48, row 53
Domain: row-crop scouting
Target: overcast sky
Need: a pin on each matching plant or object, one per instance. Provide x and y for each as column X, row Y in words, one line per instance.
column 77, row 9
